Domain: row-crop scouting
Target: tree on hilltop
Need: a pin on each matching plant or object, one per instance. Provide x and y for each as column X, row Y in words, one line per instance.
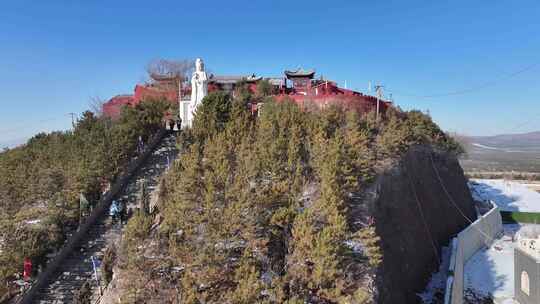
column 174, row 68
column 169, row 74
column 212, row 115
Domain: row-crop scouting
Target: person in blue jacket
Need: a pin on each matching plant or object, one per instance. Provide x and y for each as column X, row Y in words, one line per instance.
column 114, row 211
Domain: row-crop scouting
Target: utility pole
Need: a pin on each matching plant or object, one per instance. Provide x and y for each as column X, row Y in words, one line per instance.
column 379, row 93
column 72, row 119
column 180, row 82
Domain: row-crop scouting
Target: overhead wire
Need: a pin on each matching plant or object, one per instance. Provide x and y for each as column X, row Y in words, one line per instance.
column 489, row 238
column 473, row 88
column 521, row 125
column 435, row 250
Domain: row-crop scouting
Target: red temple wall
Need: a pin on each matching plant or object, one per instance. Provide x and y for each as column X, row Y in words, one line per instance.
column 113, row 107
column 320, row 95
column 146, row 92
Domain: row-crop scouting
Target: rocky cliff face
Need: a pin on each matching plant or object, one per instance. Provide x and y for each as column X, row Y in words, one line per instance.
column 415, row 208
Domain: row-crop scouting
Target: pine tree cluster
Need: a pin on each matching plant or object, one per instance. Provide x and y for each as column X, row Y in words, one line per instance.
column 41, row 181
column 257, row 209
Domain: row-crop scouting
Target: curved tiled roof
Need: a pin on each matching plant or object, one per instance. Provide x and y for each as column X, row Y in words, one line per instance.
column 222, row 79
column 300, row 73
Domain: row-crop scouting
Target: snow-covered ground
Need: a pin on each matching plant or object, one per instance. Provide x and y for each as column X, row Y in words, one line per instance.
column 509, row 196
column 491, row 270
column 434, row 292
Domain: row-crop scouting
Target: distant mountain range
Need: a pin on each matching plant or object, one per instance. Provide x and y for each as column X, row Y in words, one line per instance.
column 12, row 143
column 506, row 141
column 506, row 152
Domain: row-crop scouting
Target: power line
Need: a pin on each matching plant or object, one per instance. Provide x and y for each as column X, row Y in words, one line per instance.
column 435, row 250
column 489, row 238
column 379, row 91
column 73, row 115
column 446, row 191
column 473, row 88
column 520, row 125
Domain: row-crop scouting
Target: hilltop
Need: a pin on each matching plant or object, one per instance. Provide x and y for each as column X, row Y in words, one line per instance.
column 292, row 203
column 508, row 142
column 275, row 209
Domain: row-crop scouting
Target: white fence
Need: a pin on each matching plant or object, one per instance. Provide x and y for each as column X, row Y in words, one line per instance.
column 477, row 235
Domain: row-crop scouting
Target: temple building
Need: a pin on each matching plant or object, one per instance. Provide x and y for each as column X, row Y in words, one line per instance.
column 301, row 80
column 228, row 83
column 299, row 85
column 159, row 87
column 527, row 268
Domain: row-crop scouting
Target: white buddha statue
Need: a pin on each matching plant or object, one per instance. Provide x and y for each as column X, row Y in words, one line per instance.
column 199, row 88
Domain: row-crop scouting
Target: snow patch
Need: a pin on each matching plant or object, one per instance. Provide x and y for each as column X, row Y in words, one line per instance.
column 507, row 195
column 355, row 246
column 486, row 147
column 495, row 148
column 438, row 279
column 490, row 271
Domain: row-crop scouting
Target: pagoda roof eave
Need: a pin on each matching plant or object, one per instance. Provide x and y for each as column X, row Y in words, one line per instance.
column 300, row 73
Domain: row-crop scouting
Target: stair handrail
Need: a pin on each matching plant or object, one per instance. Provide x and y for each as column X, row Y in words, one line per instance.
column 73, row 241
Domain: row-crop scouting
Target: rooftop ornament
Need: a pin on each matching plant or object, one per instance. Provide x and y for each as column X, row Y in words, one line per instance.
column 529, row 242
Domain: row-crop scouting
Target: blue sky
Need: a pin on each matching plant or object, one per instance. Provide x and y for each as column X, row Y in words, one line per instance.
column 56, row 55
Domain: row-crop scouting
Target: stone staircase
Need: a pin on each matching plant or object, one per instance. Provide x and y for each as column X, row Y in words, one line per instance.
column 77, row 268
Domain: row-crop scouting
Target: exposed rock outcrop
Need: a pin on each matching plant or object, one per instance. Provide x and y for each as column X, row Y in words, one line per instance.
column 419, row 204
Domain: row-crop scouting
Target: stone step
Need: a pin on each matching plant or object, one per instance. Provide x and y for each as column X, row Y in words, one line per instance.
column 77, row 268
